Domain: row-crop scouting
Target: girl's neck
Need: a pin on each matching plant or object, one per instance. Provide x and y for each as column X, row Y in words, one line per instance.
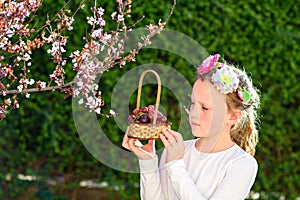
column 214, row 144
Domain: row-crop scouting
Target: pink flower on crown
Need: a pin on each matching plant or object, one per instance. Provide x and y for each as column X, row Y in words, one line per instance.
column 240, row 95
column 208, row 64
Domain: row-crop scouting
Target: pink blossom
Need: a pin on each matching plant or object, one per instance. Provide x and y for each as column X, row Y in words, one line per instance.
column 3, row 42
column 20, row 88
column 112, row 112
column 40, row 84
column 240, row 95
column 113, row 15
column 69, row 21
column 43, row 84
column 97, row 33
column 80, row 101
column 30, row 82
column 75, row 53
column 90, row 20
column 26, row 57
column 8, row 101
column 100, row 11
column 16, row 104
column 101, row 21
column 208, row 64
column 79, row 83
column 32, row 3
column 98, row 110
column 120, row 18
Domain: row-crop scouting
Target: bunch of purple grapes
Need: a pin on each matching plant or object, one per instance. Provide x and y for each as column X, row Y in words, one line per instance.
column 145, row 115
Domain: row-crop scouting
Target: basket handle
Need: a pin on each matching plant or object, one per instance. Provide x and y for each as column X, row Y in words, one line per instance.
column 158, row 91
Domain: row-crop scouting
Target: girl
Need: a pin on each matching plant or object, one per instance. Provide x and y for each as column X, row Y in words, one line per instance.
column 219, row 164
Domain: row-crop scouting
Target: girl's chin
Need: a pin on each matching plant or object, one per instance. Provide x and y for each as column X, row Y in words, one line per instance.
column 197, row 133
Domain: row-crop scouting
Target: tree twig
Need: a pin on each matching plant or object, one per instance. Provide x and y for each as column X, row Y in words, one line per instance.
column 40, row 89
column 171, row 12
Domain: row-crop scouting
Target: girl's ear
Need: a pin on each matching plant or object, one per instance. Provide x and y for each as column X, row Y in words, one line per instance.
column 234, row 116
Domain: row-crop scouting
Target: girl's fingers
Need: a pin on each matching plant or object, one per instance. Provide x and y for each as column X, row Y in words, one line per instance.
column 151, row 145
column 125, row 142
column 169, row 136
column 164, row 140
column 176, row 135
column 137, row 143
column 151, row 142
column 133, row 146
column 139, row 151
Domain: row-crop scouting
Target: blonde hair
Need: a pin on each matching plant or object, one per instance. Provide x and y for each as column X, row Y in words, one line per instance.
column 244, row 133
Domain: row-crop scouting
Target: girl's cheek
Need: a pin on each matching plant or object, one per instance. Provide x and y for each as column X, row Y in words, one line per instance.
column 205, row 118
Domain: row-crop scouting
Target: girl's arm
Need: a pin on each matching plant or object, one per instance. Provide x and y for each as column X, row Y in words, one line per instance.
column 150, row 182
column 148, row 161
column 236, row 184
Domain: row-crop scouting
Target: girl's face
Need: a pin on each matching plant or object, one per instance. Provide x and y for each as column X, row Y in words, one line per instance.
column 208, row 110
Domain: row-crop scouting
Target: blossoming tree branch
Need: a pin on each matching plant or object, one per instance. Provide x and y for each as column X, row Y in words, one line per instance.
column 19, row 37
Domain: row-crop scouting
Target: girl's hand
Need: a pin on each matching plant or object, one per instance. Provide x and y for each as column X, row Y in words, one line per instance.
column 143, row 152
column 173, row 143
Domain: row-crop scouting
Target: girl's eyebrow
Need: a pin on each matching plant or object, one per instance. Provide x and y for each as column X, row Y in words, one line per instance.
column 193, row 98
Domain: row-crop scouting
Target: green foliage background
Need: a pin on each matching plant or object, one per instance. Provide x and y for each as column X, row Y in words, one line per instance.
column 40, row 138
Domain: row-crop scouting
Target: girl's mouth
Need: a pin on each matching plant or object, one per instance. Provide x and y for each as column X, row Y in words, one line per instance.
column 195, row 124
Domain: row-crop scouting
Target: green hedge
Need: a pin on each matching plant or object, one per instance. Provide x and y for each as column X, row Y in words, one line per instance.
column 40, row 138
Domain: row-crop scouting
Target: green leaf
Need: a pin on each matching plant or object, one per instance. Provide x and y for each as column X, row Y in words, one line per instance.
column 246, row 94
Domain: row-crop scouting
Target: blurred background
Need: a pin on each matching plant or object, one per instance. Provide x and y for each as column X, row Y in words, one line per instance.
column 42, row 156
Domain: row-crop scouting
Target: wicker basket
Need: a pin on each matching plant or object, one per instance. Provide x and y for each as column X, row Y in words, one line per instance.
column 147, row 131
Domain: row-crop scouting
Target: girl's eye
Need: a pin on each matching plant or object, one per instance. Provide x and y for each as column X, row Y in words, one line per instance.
column 204, row 108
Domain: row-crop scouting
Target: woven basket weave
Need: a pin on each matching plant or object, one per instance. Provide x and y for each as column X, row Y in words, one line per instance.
column 147, row 131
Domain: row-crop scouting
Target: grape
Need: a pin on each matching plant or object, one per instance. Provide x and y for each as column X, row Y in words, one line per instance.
column 161, row 119
column 144, row 109
column 131, row 119
column 144, row 119
column 136, row 111
column 159, row 115
column 164, row 119
column 151, row 114
column 146, row 115
column 151, row 107
column 158, row 121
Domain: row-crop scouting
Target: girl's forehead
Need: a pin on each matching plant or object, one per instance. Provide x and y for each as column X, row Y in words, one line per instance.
column 201, row 91
column 206, row 93
column 201, row 88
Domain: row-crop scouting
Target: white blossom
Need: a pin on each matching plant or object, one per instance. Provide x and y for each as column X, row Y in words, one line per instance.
column 80, row 101
column 20, row 88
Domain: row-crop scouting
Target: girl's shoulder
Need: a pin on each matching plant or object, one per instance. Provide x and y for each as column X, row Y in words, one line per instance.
column 242, row 157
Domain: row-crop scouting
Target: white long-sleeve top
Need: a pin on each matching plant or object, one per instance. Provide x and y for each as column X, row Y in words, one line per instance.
column 225, row 175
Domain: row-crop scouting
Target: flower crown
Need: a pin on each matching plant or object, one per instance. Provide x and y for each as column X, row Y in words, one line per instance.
column 223, row 78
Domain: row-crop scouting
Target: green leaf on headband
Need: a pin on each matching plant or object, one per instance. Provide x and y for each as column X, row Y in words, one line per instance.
column 247, row 95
